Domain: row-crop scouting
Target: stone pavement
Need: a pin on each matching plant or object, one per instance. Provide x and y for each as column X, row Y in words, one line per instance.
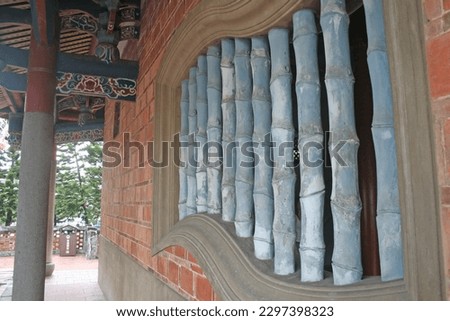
column 74, row 279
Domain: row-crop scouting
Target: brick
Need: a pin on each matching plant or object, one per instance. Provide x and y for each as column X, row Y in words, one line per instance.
column 152, row 110
column 445, row 218
column 445, row 196
column 446, row 22
column 441, row 109
column 134, row 249
column 149, row 130
column 187, row 280
column 141, row 253
column 173, row 4
column 179, row 13
column 433, row 9
column 164, row 15
column 179, row 251
column 191, row 258
column 147, row 236
column 196, row 268
column 147, row 214
column 162, row 265
column 446, row 4
column 203, row 289
column 173, row 272
column 446, row 137
column 434, row 28
column 438, row 58
column 153, row 261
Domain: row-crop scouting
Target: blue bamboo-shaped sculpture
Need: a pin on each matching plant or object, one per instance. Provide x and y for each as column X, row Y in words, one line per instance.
column 214, row 133
column 310, row 142
column 388, row 207
column 345, row 200
column 192, row 164
column 229, row 131
column 244, row 219
column 202, row 121
column 184, row 133
column 262, row 113
column 283, row 180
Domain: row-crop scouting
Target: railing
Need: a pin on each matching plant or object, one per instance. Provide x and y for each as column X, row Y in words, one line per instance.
column 85, row 240
column 237, row 144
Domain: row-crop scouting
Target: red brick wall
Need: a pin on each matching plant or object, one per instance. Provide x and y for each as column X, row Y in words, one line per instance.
column 437, row 35
column 7, row 242
column 127, row 192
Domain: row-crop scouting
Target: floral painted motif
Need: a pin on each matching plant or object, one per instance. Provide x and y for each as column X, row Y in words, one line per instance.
column 114, row 88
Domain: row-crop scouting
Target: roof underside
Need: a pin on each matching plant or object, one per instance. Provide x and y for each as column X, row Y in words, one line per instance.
column 76, row 41
column 18, row 36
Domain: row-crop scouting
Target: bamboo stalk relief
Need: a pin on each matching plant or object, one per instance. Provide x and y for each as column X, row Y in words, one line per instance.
column 191, row 169
column 184, row 133
column 202, row 121
column 388, row 207
column 283, row 181
column 262, row 113
column 310, row 137
column 214, row 133
column 345, row 200
column 240, row 95
column 244, row 219
column 229, row 131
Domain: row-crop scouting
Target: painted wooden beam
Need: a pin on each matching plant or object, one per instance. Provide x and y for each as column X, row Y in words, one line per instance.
column 114, row 88
column 80, row 21
column 77, row 75
column 64, row 132
column 13, row 82
column 214, row 133
column 89, row 65
column 244, row 219
column 72, row 132
column 310, row 145
column 14, row 56
column 262, row 114
column 72, row 63
column 15, row 122
column 388, row 206
column 89, row 7
column 343, row 145
column 283, row 181
column 15, row 16
column 68, row 83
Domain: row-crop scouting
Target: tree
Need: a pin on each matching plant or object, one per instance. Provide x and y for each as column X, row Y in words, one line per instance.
column 78, row 182
column 9, row 185
column 92, row 158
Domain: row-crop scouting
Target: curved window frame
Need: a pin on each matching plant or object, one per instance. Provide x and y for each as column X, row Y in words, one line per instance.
column 202, row 235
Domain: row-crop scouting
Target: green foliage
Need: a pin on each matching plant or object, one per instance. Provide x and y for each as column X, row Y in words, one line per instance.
column 78, row 182
column 9, row 185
